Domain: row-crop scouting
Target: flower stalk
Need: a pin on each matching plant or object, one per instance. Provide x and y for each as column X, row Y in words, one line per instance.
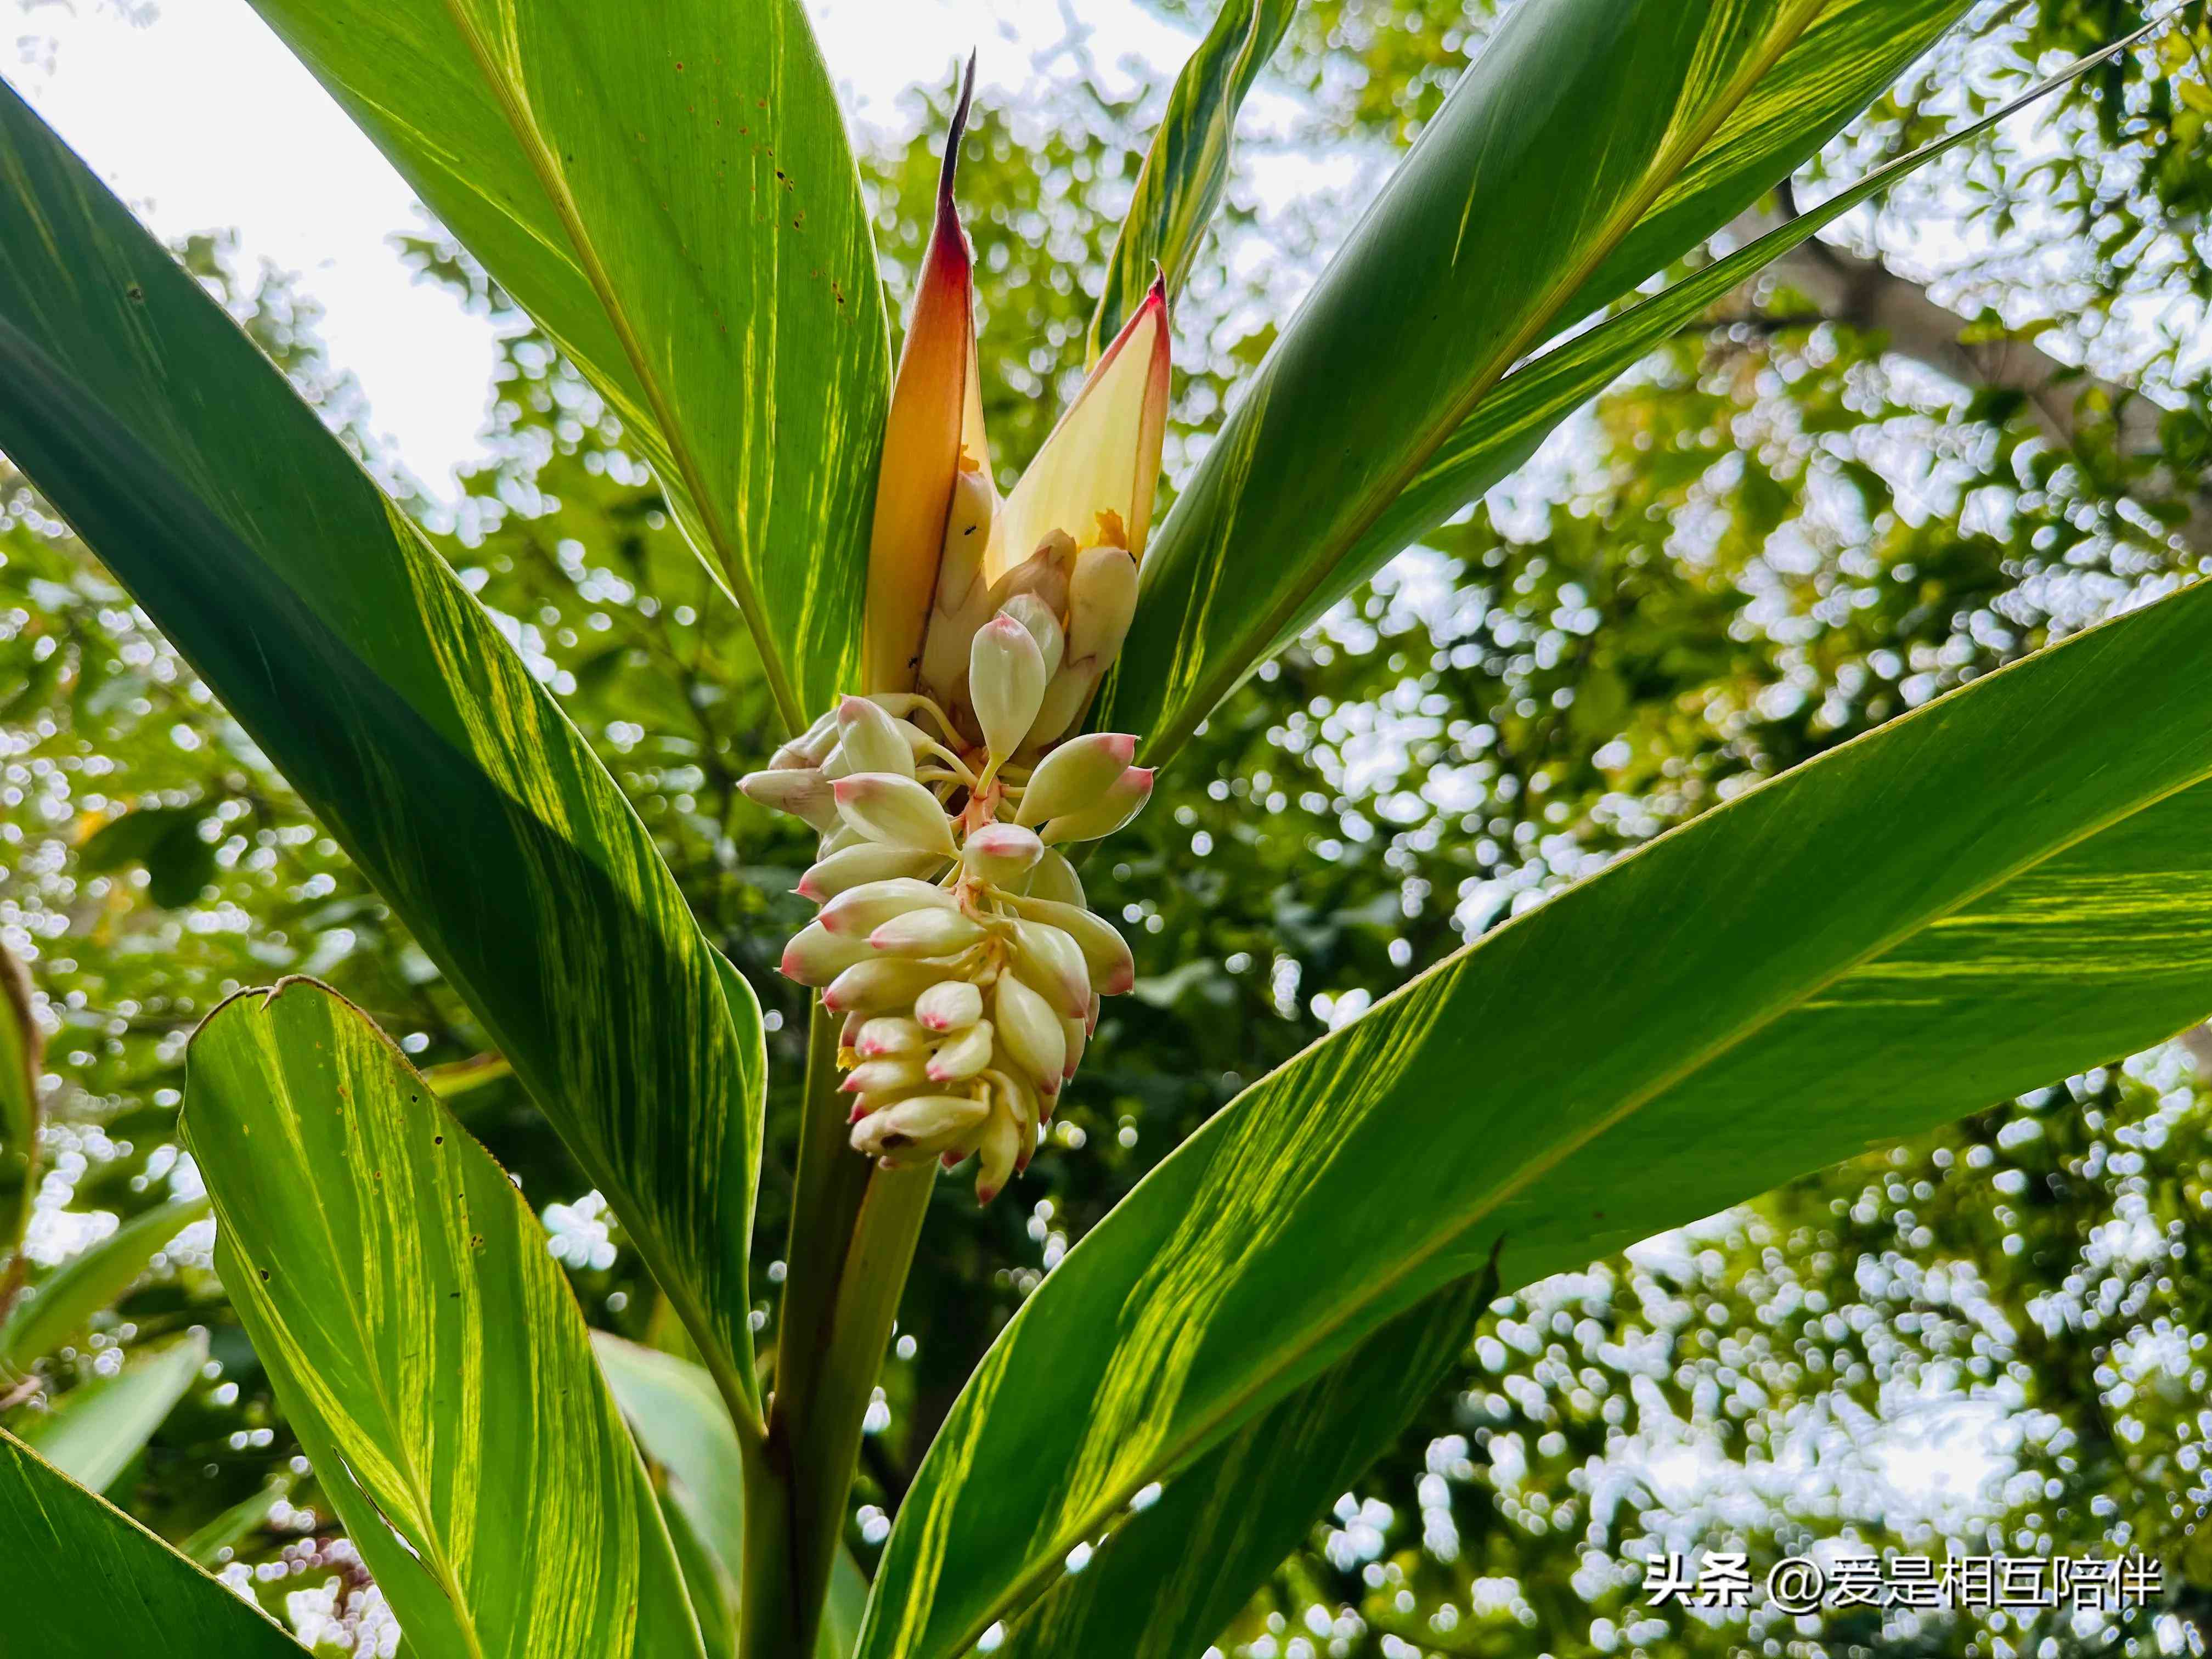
column 960, row 968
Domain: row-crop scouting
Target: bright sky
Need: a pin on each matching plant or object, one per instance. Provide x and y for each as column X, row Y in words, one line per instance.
column 201, row 120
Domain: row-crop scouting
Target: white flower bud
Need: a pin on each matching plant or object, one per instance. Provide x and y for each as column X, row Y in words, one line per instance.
column 881, row 984
column 922, row 1126
column 1006, row 682
column 837, row 840
column 1105, row 952
column 1076, row 776
column 1055, row 878
column 877, row 1077
column 1103, row 816
column 888, row 1033
column 856, row 866
column 859, row 911
column 1000, row 1151
column 929, row 932
column 1032, row 1033
column 872, row 740
column 964, row 1055
column 802, row 791
column 815, row 956
column 1102, row 598
column 1045, row 573
column 1053, row 963
column 1001, row 853
column 888, row 808
column 949, row 1006
column 809, row 748
column 1078, row 1033
column 1034, row 614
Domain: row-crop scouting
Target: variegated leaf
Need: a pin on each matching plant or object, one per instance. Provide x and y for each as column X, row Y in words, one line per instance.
column 667, row 189
column 1507, row 426
column 1666, row 119
column 1187, row 169
column 94, row 1431
column 62, row 1306
column 85, row 1578
column 386, row 693
column 424, row 1344
column 2002, row 888
column 1178, row 1567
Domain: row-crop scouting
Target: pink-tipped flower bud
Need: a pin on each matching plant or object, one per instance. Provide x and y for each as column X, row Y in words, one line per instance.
column 1000, row 1151
column 1076, row 776
column 887, row 1033
column 929, row 932
column 885, row 807
column 855, row 866
column 1078, row 1033
column 1030, row 1030
column 949, row 1006
column 1052, row 962
column 871, row 740
column 1005, row 683
column 804, row 792
column 815, row 956
column 859, row 911
column 964, row 1055
column 923, row 1126
column 1103, row 816
column 1105, row 952
column 880, row 985
column 876, row 1077
column 1001, row 853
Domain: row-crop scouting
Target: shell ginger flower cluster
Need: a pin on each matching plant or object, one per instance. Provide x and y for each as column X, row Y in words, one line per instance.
column 953, row 935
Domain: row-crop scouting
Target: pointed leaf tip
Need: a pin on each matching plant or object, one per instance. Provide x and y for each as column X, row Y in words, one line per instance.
column 1101, row 462
column 948, row 217
column 936, row 410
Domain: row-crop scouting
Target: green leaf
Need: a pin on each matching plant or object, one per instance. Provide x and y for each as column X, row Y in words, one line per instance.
column 237, row 1523
column 668, row 190
column 85, row 1578
column 712, row 1592
column 1172, row 1574
column 61, row 1310
column 1668, row 120
column 390, row 700
column 166, row 841
column 96, row 1430
column 22, row 1050
column 672, row 1408
column 423, row 1343
column 1187, row 169
column 1506, row 429
column 1998, row 889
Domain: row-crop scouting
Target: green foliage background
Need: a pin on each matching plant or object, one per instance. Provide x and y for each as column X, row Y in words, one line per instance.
column 1771, row 537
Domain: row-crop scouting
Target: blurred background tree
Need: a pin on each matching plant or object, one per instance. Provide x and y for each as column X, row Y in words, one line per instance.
column 1978, row 420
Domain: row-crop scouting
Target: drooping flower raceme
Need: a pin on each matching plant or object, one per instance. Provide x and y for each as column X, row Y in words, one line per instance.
column 953, row 935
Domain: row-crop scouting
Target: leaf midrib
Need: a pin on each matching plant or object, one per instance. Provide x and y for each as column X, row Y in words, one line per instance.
column 556, row 187
column 1316, row 1333
column 1394, row 483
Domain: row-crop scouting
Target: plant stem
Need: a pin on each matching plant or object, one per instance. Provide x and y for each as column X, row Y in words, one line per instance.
column 826, row 1446
column 832, row 1182
column 853, row 1234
